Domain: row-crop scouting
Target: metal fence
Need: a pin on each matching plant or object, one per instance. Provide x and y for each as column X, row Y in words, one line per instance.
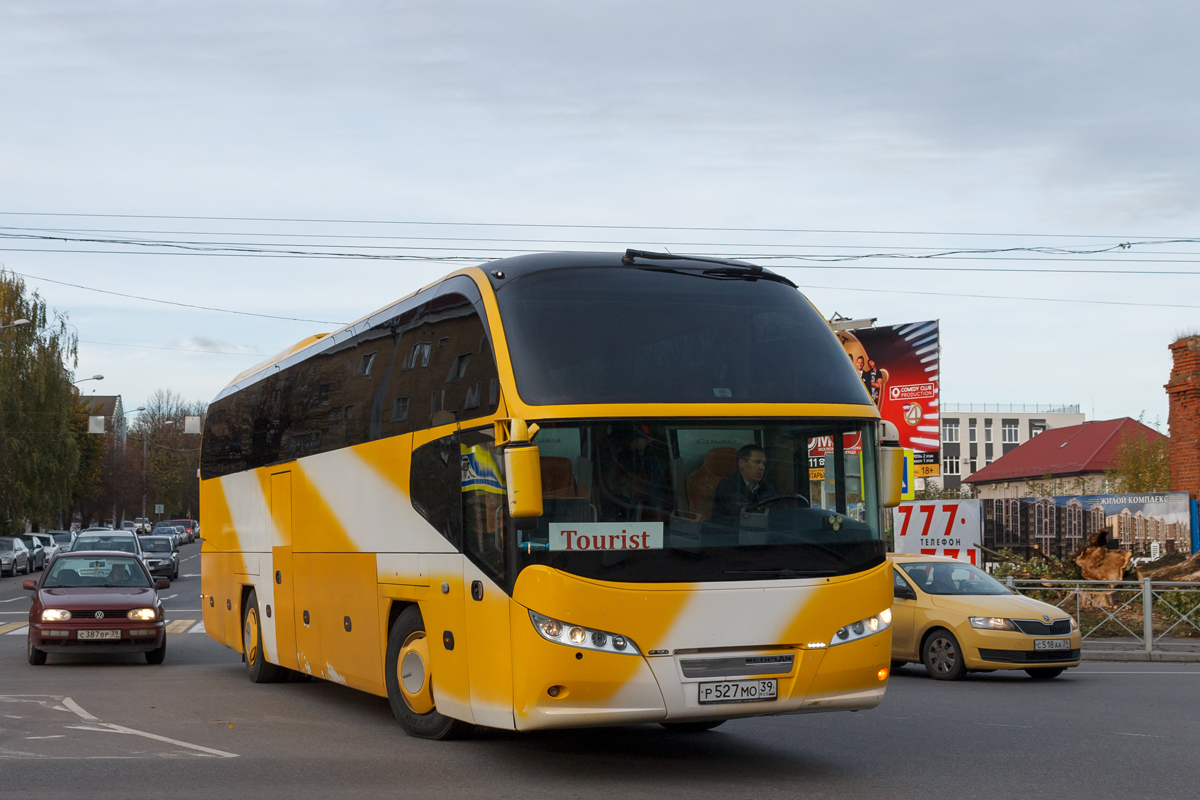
column 1155, row 614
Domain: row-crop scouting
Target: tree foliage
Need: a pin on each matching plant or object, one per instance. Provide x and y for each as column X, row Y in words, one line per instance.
column 1142, row 464
column 39, row 450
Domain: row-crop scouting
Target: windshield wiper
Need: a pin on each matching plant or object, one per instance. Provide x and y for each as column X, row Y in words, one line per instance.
column 784, row 573
column 725, row 269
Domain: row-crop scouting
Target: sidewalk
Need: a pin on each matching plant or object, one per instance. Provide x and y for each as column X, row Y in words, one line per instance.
column 1127, row 648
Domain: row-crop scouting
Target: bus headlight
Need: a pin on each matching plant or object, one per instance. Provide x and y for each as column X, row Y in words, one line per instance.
column 583, row 638
column 863, row 628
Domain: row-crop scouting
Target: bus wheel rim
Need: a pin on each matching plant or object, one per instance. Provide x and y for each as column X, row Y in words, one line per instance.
column 251, row 643
column 412, row 671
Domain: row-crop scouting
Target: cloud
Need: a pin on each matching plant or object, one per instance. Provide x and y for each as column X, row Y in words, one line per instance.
column 204, row 344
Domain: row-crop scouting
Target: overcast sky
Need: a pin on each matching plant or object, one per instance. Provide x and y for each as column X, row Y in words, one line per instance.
column 1074, row 119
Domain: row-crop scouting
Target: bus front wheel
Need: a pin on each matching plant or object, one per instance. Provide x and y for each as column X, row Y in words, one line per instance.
column 257, row 667
column 410, row 684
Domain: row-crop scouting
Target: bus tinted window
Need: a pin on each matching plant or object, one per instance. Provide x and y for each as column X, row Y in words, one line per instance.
column 429, row 364
column 640, row 336
column 434, row 484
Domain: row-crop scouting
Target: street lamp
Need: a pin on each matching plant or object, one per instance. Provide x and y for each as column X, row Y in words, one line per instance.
column 93, row 378
column 15, row 323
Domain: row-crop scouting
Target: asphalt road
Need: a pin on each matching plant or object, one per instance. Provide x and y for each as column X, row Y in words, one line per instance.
column 195, row 727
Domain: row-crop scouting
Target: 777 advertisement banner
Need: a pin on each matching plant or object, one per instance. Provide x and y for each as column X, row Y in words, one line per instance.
column 939, row 528
column 899, row 367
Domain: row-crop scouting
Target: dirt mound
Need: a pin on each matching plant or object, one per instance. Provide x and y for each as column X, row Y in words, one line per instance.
column 1185, row 570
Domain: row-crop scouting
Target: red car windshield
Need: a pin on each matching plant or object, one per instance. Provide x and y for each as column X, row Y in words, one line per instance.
column 76, row 572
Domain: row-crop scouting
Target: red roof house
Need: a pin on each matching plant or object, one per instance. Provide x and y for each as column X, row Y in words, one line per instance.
column 1078, row 454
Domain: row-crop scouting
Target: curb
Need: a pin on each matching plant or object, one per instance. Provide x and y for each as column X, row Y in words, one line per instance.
column 1137, row 655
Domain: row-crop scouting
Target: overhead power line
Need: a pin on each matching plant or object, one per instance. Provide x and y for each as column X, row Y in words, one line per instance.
column 173, row 302
column 556, row 225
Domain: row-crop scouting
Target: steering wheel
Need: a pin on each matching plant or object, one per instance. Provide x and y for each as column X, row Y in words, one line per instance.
column 801, row 499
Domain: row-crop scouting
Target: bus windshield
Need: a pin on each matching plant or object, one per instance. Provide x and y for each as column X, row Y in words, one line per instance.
column 645, row 336
column 718, row 500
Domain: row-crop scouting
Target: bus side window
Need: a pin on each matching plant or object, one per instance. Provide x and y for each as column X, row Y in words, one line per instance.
column 484, row 503
column 434, row 486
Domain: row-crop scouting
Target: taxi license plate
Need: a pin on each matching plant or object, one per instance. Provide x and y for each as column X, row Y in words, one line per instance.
column 1051, row 644
column 738, row 691
column 111, row 633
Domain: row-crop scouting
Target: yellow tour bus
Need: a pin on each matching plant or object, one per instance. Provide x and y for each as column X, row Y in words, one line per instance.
column 560, row 490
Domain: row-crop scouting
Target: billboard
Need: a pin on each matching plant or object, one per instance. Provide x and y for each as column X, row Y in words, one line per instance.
column 1061, row 526
column 899, row 366
column 939, row 528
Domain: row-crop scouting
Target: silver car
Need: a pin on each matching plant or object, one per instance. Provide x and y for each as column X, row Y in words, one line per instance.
column 14, row 556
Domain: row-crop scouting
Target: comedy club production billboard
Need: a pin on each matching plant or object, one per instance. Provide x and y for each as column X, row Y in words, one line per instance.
column 899, row 366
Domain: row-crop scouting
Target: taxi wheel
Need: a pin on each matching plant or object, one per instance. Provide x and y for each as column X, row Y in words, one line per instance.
column 943, row 656
column 409, row 683
column 1045, row 673
column 36, row 657
column 692, row 727
column 257, row 667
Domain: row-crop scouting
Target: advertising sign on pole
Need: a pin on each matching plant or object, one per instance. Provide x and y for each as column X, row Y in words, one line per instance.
column 908, row 489
column 950, row 528
column 899, row 367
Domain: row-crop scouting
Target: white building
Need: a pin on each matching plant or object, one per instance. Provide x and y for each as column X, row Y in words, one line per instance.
column 976, row 434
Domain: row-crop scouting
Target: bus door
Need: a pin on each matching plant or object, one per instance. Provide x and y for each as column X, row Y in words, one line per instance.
column 283, row 615
column 484, row 528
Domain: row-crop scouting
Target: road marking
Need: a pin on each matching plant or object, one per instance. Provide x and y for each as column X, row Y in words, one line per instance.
column 18, row 632
column 11, row 626
column 169, row 597
column 1002, row 725
column 192, row 575
column 1147, row 735
column 199, row 628
column 54, row 736
column 12, row 599
column 179, row 625
column 110, row 727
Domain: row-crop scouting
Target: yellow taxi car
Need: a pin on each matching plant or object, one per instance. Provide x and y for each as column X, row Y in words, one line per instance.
column 954, row 617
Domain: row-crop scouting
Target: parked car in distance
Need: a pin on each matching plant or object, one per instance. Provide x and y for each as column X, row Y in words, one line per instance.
column 161, row 556
column 99, row 602
column 954, row 617
column 142, row 525
column 62, row 538
column 37, row 553
column 14, row 556
column 49, row 545
column 189, row 528
column 107, row 540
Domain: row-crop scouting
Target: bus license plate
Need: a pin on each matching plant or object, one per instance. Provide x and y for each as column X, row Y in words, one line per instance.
column 111, row 633
column 738, row 691
column 1051, row 644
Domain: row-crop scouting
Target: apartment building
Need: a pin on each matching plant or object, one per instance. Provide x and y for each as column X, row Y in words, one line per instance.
column 976, row 434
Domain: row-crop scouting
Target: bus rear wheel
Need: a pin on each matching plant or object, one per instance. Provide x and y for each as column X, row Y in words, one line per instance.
column 410, row 683
column 257, row 667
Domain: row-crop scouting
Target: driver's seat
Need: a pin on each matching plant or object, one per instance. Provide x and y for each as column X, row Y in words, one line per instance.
column 719, row 463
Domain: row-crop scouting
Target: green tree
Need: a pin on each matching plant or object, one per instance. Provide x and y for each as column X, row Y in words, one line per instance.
column 39, row 450
column 173, row 457
column 1142, row 463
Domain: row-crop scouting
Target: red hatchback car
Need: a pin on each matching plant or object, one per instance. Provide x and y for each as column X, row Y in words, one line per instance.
column 96, row 602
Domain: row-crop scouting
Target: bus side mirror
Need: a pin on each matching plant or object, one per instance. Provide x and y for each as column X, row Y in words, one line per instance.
column 522, row 467
column 891, row 460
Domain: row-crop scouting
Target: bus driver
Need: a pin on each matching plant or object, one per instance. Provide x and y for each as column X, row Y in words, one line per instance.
column 745, row 487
